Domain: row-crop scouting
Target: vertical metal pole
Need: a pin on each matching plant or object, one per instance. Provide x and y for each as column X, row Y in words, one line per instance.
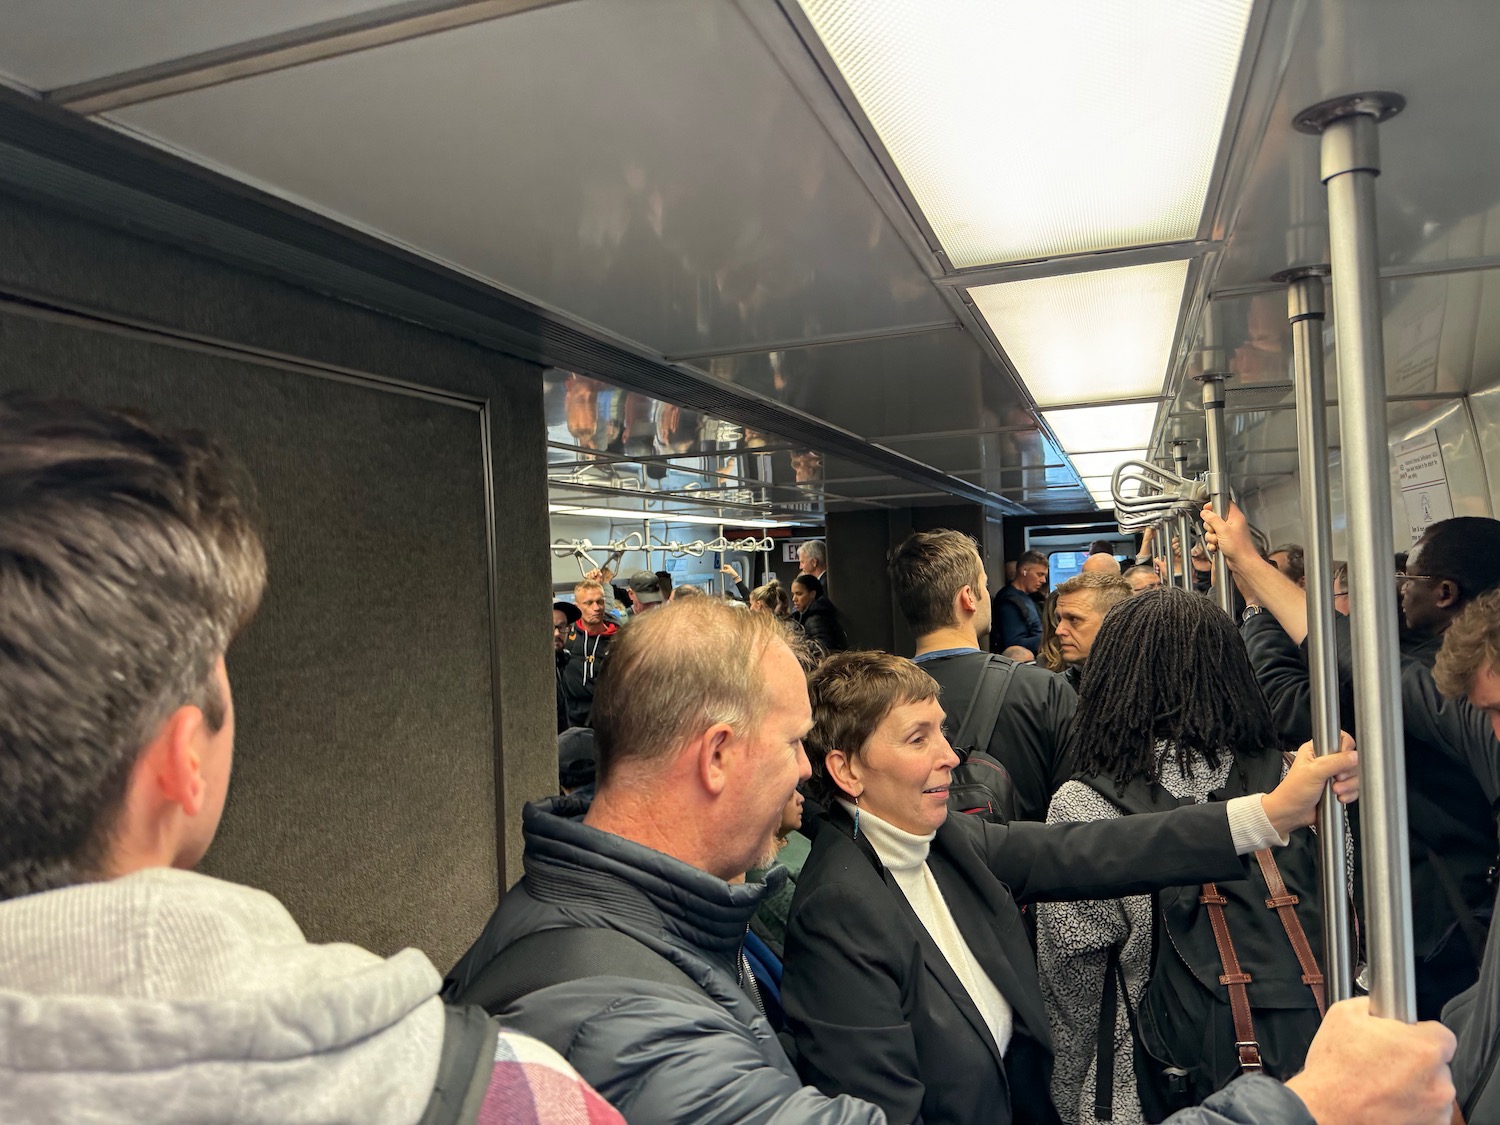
column 1218, row 476
column 1305, row 312
column 1184, row 527
column 1161, row 543
column 1351, row 161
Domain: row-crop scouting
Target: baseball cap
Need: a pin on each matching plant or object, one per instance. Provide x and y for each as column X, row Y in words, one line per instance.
column 646, row 586
column 575, row 757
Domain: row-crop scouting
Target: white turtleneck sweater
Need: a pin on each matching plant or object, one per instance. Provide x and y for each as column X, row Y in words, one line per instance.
column 904, row 855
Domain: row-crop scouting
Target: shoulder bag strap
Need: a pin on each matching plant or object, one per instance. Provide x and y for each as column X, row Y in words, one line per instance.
column 1234, row 978
column 465, row 1065
column 1104, row 1045
column 550, row 957
column 978, row 724
column 1284, row 904
column 1468, row 925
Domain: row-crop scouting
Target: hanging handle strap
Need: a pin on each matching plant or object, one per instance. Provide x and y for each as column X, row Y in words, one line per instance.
column 1284, row 904
column 1234, row 978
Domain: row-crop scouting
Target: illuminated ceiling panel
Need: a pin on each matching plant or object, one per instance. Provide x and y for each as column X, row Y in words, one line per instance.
column 1096, row 428
column 1088, row 337
column 1103, row 465
column 1031, row 130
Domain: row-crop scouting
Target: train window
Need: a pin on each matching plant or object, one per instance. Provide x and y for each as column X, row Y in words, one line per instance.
column 1062, row 565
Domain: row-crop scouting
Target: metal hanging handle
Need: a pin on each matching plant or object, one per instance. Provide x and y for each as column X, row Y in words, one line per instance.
column 1160, row 493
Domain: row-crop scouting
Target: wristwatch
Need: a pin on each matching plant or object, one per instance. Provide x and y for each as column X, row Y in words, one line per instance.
column 1252, row 610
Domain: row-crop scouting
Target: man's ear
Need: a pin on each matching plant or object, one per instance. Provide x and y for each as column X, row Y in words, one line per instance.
column 172, row 762
column 716, row 751
column 844, row 772
column 1448, row 594
column 968, row 600
column 165, row 790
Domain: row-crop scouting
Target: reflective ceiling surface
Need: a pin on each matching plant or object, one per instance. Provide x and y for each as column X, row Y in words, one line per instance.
column 688, row 178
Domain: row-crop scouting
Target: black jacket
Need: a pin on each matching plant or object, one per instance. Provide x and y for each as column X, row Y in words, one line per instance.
column 876, row 1010
column 1016, row 622
column 579, row 674
column 656, row 1054
column 1473, row 1016
column 1031, row 733
column 1448, row 815
column 561, row 660
column 820, row 621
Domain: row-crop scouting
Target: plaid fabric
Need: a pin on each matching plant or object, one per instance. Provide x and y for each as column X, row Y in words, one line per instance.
column 533, row 1085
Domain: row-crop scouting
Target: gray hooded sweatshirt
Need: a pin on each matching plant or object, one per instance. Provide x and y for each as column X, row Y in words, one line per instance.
column 170, row 997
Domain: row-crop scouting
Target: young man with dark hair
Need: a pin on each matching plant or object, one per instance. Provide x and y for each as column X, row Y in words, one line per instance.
column 940, row 587
column 1290, row 559
column 1016, row 622
column 131, row 988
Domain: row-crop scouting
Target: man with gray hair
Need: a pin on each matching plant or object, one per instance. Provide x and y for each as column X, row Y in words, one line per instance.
column 639, row 897
column 812, row 558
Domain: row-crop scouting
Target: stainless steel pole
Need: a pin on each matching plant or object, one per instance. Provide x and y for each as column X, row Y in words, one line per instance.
column 1351, row 161
column 1305, row 312
column 1218, row 476
column 1184, row 524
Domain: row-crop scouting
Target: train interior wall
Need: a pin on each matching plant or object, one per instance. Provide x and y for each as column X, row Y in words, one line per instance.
column 1467, row 430
column 388, row 730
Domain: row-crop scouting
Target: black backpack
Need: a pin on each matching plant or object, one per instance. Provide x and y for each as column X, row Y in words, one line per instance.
column 1189, row 1040
column 980, row 784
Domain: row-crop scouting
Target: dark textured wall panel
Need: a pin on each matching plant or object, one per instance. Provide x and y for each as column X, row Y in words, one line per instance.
column 857, row 545
column 365, row 489
column 363, row 790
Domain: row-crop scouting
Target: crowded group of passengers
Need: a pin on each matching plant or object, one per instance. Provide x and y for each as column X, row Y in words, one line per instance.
column 782, row 881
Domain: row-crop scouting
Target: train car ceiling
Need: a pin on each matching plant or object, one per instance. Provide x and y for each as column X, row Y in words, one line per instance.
column 956, row 249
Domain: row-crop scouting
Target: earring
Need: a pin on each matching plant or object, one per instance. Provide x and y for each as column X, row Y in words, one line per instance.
column 856, row 818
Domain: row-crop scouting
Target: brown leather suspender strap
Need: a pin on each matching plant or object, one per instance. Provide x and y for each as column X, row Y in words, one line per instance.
column 1235, row 979
column 1283, row 903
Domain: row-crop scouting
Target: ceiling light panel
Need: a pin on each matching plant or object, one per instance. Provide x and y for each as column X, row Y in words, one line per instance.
column 1088, row 337
column 1029, row 130
column 1103, row 465
column 1097, row 428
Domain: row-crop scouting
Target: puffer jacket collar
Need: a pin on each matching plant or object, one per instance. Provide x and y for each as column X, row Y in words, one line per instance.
column 568, row 862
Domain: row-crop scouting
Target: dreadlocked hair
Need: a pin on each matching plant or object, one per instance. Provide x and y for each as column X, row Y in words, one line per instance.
column 1167, row 674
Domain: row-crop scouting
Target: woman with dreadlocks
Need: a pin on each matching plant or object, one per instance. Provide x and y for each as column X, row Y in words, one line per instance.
column 1169, row 713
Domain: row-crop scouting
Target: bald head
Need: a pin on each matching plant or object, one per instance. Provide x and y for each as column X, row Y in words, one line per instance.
column 1101, row 564
column 676, row 672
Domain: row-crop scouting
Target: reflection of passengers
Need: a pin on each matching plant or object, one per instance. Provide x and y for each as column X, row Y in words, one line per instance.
column 1170, row 711
column 908, row 978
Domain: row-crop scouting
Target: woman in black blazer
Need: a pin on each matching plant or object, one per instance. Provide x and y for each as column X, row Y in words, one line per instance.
column 908, row 978
column 817, row 615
